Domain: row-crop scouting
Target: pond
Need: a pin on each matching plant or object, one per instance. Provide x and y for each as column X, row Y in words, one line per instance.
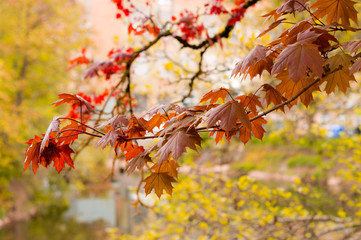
column 54, row 228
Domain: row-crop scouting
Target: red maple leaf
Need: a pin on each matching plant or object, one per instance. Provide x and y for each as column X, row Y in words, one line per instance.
column 53, row 152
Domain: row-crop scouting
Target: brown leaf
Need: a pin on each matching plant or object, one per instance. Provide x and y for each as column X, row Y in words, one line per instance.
column 352, row 46
column 159, row 182
column 114, row 121
column 335, row 10
column 137, row 162
column 254, row 63
column 298, row 57
column 250, row 101
column 291, row 6
column 110, row 138
column 274, row 96
column 290, row 35
column 356, row 66
column 228, row 114
column 175, row 144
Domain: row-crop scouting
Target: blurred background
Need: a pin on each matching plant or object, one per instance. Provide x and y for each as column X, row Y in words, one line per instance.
column 304, row 176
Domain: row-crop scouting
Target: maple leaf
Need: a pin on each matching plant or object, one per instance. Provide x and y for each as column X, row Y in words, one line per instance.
column 175, row 144
column 299, row 57
column 155, row 109
column 274, row 96
column 250, row 101
column 245, row 134
column 335, row 10
column 156, row 121
column 291, row 6
column 323, row 40
column 72, row 99
column 184, row 120
column 272, row 26
column 352, row 46
column 356, row 66
column 168, row 166
column 254, row 63
column 290, row 88
column 136, row 127
column 55, row 152
column 137, row 162
column 159, row 182
column 68, row 136
column 114, row 121
column 228, row 114
column 32, row 154
column 82, row 59
column 215, row 94
column 339, row 73
column 290, row 35
column 133, row 152
column 204, row 108
column 62, row 157
column 111, row 137
column 53, row 127
column 219, row 135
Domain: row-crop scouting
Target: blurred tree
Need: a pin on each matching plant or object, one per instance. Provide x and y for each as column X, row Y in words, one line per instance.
column 36, row 40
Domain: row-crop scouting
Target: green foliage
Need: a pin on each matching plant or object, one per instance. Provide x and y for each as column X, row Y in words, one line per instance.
column 304, row 161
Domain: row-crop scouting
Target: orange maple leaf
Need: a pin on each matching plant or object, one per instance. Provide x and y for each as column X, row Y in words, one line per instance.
column 290, row 88
column 159, row 182
column 215, row 94
column 32, row 154
column 156, row 120
column 340, row 74
column 335, row 10
column 69, row 133
column 168, row 166
column 274, row 96
column 257, row 129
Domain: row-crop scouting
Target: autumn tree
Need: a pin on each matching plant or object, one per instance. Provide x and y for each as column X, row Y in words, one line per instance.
column 33, row 56
column 308, row 56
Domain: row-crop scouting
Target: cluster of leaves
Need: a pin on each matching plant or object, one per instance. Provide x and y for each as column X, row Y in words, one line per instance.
column 305, row 58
